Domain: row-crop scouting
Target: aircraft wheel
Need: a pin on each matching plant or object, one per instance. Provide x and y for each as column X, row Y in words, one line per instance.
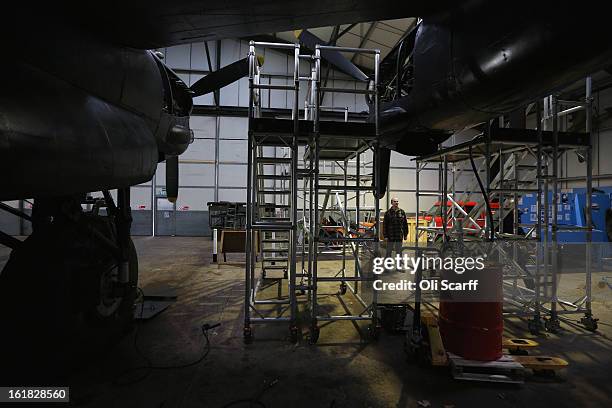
column 58, row 298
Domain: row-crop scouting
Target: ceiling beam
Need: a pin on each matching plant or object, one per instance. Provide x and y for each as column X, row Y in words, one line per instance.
column 333, row 38
column 365, row 38
column 408, row 29
column 347, row 29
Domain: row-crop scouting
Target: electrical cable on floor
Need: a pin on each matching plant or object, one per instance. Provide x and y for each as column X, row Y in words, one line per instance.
column 484, row 194
column 255, row 401
column 149, row 366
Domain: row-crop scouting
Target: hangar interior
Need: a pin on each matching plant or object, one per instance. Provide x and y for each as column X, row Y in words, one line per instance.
column 289, row 285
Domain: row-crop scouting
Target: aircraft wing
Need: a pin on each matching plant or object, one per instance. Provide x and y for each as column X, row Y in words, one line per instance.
column 154, row 24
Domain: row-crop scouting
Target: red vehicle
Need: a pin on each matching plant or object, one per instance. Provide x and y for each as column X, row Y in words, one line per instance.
column 467, row 206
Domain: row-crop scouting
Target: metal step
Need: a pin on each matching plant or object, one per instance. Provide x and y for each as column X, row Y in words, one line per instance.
column 264, row 206
column 275, row 218
column 347, row 188
column 273, row 191
column 274, row 176
column 280, row 226
column 272, row 160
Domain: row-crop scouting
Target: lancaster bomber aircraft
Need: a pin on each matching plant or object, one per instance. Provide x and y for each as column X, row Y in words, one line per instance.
column 85, row 106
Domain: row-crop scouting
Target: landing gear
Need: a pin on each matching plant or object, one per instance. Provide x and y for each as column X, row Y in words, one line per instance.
column 67, row 292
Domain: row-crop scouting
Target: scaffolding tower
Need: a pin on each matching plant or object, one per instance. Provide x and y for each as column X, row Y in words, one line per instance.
column 515, row 163
column 288, row 235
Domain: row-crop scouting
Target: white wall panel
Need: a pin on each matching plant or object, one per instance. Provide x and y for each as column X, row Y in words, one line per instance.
column 342, row 100
column 203, row 125
column 398, row 159
column 230, row 52
column 232, row 175
column 404, row 179
column 194, row 199
column 360, row 101
column 178, row 56
column 275, row 62
column 140, row 198
column 243, row 92
column 229, row 95
column 269, row 151
column 233, row 151
column 200, row 149
column 278, row 99
column 160, row 173
column 233, row 128
column 236, row 195
column 198, row 56
column 573, row 167
column 192, row 174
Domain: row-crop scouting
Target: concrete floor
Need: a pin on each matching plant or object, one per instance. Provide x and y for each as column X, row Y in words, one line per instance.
column 342, row 370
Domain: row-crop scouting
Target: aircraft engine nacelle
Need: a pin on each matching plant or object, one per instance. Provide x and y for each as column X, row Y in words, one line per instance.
column 79, row 115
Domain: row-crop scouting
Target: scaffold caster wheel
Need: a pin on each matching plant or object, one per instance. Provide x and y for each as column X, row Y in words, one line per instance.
column 414, row 350
column 552, row 325
column 534, row 326
column 589, row 323
column 314, row 334
column 248, row 335
column 374, row 331
column 343, row 287
column 293, row 334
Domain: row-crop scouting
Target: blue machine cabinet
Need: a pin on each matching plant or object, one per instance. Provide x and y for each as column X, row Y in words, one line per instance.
column 570, row 211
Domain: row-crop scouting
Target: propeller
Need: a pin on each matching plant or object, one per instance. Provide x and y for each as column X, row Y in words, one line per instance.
column 172, row 178
column 223, row 77
column 335, row 58
column 211, row 82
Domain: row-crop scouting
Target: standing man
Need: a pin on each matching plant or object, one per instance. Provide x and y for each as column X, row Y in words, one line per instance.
column 395, row 228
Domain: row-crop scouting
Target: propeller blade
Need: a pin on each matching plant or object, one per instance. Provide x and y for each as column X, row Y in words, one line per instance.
column 172, row 178
column 383, row 165
column 335, row 58
column 222, row 77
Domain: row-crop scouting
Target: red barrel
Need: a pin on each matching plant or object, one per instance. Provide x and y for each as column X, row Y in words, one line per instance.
column 473, row 329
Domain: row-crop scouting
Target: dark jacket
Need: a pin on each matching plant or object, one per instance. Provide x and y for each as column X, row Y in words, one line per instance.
column 395, row 225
